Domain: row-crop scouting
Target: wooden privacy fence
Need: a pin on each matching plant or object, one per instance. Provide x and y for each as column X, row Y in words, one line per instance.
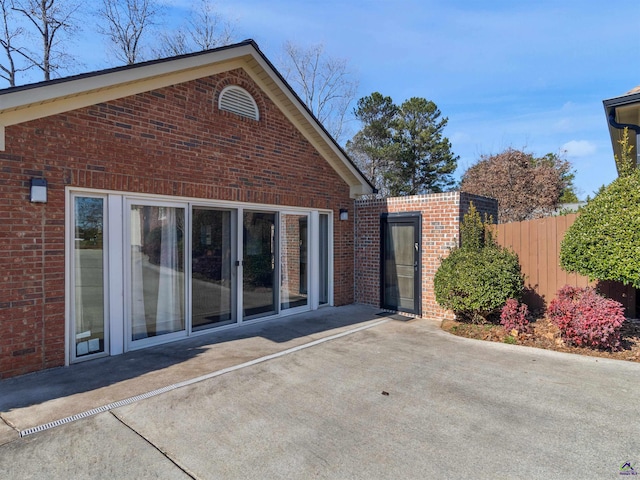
column 537, row 243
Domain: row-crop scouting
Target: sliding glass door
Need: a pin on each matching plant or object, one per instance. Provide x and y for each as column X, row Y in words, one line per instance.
column 293, row 260
column 157, row 288
column 259, row 264
column 212, row 288
column 147, row 270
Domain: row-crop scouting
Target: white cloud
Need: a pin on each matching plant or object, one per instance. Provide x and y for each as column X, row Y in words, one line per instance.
column 579, row 148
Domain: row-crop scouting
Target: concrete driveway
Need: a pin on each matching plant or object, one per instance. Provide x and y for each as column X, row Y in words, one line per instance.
column 392, row 399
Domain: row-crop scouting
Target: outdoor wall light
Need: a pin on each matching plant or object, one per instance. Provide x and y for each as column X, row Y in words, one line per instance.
column 38, row 190
column 344, row 214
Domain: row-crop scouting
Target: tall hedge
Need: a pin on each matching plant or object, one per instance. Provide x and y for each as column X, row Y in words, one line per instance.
column 477, row 279
column 604, row 241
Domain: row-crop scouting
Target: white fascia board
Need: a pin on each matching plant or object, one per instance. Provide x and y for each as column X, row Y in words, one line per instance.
column 55, row 98
column 107, row 81
column 361, row 185
column 52, row 99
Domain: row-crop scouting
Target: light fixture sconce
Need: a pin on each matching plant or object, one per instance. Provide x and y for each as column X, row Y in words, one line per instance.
column 38, row 190
column 344, row 214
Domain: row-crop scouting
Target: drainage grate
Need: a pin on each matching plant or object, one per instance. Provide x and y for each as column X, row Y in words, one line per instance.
column 95, row 411
column 153, row 393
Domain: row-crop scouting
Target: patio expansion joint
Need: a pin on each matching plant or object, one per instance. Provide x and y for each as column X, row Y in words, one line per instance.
column 8, row 423
column 127, row 401
column 153, row 445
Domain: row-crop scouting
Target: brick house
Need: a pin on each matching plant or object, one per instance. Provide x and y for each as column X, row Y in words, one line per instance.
column 166, row 198
column 149, row 203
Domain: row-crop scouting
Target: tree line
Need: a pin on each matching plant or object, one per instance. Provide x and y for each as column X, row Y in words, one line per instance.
column 38, row 34
column 401, row 148
column 403, row 151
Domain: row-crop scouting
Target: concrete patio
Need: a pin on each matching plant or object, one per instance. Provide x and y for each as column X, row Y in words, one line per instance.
column 42, row 397
column 380, row 397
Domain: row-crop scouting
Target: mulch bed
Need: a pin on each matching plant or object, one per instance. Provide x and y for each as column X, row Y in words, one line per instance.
column 546, row 335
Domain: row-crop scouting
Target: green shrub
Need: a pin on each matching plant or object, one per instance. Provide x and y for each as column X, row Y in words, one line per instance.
column 477, row 279
column 476, row 284
column 604, row 241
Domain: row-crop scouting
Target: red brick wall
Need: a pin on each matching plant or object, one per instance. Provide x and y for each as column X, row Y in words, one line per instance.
column 172, row 141
column 441, row 214
column 487, row 207
column 290, row 253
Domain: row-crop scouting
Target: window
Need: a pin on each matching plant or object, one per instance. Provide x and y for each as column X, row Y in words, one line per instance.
column 212, row 274
column 259, row 263
column 88, row 279
column 324, row 267
column 293, row 260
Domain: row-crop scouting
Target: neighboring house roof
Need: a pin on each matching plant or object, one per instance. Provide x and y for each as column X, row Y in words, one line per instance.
column 30, row 102
column 624, row 111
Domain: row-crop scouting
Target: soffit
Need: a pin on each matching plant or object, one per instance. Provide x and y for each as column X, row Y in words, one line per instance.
column 626, row 110
column 53, row 98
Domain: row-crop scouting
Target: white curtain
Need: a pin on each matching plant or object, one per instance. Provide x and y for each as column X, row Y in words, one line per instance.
column 157, row 280
column 138, row 317
column 284, row 261
column 169, row 310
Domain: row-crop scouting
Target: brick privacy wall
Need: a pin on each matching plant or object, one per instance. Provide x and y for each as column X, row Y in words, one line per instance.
column 441, row 215
column 171, row 141
column 487, row 207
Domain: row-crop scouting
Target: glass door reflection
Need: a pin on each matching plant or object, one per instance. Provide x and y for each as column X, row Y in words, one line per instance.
column 89, row 292
column 258, row 260
column 293, row 260
column 211, row 273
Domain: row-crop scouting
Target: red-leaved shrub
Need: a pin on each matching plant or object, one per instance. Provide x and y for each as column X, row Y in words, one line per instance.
column 514, row 316
column 586, row 319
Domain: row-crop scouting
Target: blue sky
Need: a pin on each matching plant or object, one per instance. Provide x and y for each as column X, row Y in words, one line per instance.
column 522, row 74
column 527, row 74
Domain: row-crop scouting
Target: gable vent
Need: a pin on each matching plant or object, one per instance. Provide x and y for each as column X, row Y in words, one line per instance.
column 237, row 100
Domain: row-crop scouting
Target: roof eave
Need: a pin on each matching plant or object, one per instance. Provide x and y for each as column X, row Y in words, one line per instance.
column 21, row 104
column 625, row 111
column 363, row 186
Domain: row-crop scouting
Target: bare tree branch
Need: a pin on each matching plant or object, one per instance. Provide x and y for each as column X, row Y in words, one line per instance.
column 208, row 28
column 324, row 83
column 171, row 44
column 8, row 68
column 52, row 19
column 127, row 21
column 205, row 29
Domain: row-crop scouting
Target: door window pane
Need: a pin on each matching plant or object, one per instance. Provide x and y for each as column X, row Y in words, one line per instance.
column 211, row 286
column 293, row 260
column 258, row 261
column 89, row 307
column 157, row 271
